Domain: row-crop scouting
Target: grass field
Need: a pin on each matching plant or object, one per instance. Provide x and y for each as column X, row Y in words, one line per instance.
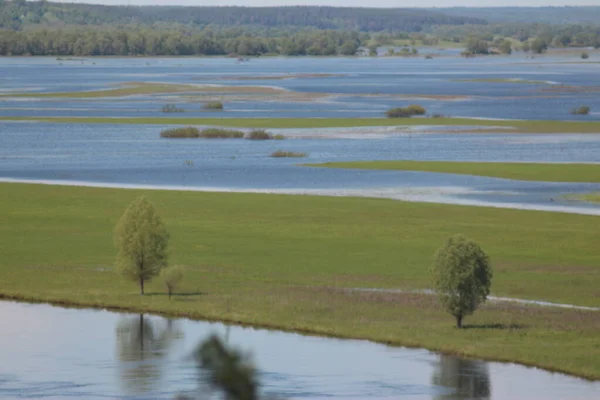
column 273, row 123
column 286, row 262
column 519, row 171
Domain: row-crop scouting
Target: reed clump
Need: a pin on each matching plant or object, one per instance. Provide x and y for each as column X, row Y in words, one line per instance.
column 406, row 112
column 181, row 133
column 219, row 133
column 290, row 154
column 261, row 134
column 214, row 105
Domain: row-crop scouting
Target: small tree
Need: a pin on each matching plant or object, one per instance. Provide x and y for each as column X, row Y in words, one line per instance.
column 172, row 277
column 462, row 276
column 141, row 240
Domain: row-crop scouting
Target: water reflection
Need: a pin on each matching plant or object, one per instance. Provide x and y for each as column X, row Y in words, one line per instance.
column 467, row 379
column 142, row 347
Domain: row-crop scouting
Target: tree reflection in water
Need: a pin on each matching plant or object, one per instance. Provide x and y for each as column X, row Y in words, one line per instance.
column 468, row 379
column 142, row 346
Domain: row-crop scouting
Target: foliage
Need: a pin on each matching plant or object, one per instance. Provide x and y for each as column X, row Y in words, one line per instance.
column 228, row 370
column 259, row 134
column 292, row 154
column 219, row 133
column 405, row 112
column 585, row 55
column 184, row 133
column 171, row 108
column 477, row 46
column 462, row 276
column 172, row 277
column 213, row 105
column 141, row 240
column 539, row 45
column 581, row 110
column 20, row 14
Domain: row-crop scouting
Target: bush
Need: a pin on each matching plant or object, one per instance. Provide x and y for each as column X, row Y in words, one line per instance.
column 259, row 134
column 218, row 133
column 581, row 110
column 291, row 154
column 585, row 55
column 405, row 112
column 171, row 108
column 181, row 133
column 213, row 105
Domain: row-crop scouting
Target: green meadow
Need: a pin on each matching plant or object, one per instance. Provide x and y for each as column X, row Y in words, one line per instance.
column 291, row 262
column 519, row 171
column 483, row 126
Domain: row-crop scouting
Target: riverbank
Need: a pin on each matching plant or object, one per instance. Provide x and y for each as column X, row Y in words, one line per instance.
column 286, row 262
column 481, row 125
column 519, row 171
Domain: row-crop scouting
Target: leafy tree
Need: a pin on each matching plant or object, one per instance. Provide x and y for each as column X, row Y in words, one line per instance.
column 539, row 45
column 141, row 240
column 505, row 47
column 462, row 276
column 477, row 46
column 172, row 278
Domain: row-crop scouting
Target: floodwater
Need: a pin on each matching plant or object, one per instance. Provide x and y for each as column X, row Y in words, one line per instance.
column 56, row 353
column 135, row 156
column 356, row 87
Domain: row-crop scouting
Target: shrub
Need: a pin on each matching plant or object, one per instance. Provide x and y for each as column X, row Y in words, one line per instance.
column 218, row 133
column 585, row 55
column 259, row 134
column 171, row 108
column 172, row 277
column 581, row 110
column 181, row 133
column 405, row 112
column 291, row 154
column 213, row 105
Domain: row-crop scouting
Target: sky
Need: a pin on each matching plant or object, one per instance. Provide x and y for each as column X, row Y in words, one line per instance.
column 349, row 3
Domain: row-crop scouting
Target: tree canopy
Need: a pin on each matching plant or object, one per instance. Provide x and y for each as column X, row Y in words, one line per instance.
column 141, row 240
column 462, row 276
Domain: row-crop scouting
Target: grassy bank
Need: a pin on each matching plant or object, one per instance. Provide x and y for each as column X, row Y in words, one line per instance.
column 284, row 261
column 274, row 123
column 519, row 171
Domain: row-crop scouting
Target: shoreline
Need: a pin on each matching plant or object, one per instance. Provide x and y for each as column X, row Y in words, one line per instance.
column 303, row 330
column 375, row 193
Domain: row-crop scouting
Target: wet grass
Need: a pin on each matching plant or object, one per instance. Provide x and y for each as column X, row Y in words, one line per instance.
column 285, row 261
column 518, row 171
column 520, row 126
column 146, row 88
column 181, row 133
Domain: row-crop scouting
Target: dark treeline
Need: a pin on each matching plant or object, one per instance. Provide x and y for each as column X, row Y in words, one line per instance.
column 152, row 42
column 18, row 14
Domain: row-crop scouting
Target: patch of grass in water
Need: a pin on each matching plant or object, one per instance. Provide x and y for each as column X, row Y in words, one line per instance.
column 518, row 126
column 218, row 133
column 181, row 133
column 518, row 171
column 288, row 154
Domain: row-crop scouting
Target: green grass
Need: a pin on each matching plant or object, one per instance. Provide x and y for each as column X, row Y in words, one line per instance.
column 519, row 171
column 281, row 123
column 282, row 262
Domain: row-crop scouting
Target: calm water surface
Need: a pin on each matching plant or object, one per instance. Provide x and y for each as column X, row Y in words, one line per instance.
column 56, row 353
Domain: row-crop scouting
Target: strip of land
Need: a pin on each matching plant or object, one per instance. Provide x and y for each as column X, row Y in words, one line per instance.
column 589, row 197
column 518, row 171
column 489, row 126
column 287, row 261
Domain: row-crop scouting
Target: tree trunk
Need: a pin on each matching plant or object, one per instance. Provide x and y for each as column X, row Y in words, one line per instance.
column 459, row 321
column 169, row 293
column 142, row 286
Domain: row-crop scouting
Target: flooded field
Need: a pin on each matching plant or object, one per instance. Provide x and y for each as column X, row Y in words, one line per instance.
column 515, row 87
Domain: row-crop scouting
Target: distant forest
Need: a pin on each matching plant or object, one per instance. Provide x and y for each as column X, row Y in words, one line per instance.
column 64, row 29
column 19, row 14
